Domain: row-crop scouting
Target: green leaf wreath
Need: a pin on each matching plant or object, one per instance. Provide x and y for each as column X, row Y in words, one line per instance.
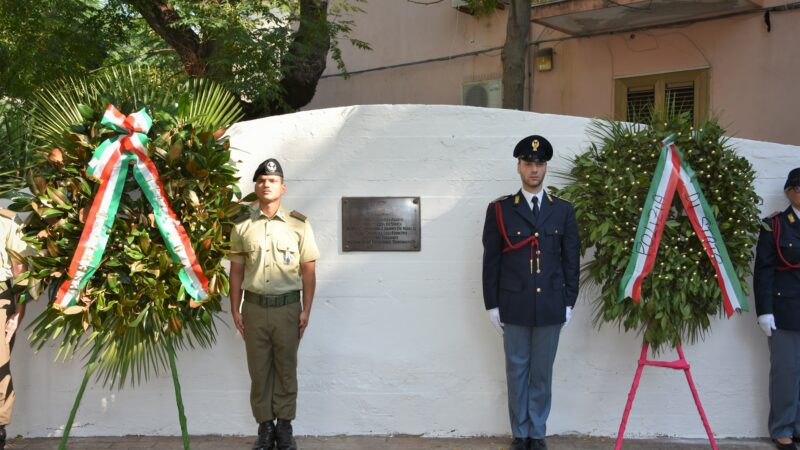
column 610, row 184
column 134, row 310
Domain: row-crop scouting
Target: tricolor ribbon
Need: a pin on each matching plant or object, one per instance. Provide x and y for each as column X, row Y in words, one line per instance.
column 673, row 173
column 110, row 164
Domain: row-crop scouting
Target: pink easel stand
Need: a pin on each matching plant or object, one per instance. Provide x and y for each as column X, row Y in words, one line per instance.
column 679, row 364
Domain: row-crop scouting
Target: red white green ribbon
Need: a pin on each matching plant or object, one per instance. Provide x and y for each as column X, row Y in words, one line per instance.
column 110, row 163
column 673, row 173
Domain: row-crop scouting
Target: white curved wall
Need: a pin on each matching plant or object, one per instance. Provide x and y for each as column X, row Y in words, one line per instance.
column 400, row 342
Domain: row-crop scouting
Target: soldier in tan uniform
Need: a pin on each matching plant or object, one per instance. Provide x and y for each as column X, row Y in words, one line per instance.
column 273, row 257
column 10, row 313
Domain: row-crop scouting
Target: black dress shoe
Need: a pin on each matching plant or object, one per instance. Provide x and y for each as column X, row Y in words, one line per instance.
column 789, row 446
column 519, row 444
column 266, row 436
column 283, row 435
column 537, row 444
column 2, row 437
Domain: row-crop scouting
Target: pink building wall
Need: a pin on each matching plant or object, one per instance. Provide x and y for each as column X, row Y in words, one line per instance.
column 753, row 73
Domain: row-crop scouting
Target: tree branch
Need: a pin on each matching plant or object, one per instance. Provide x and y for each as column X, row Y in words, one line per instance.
column 165, row 21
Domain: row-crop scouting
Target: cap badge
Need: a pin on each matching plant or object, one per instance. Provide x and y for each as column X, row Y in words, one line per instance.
column 535, row 145
column 271, row 166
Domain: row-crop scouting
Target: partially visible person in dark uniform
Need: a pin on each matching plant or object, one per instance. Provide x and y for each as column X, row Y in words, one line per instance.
column 776, row 282
column 531, row 265
column 11, row 313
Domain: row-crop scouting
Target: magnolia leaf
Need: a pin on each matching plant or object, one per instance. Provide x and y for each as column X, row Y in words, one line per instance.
column 74, row 309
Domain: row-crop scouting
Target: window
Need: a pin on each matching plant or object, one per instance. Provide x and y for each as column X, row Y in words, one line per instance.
column 680, row 92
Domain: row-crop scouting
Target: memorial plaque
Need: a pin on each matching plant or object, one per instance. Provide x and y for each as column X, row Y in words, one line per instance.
column 380, row 224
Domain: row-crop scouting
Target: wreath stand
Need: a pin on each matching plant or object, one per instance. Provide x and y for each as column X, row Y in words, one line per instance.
column 92, row 365
column 678, row 364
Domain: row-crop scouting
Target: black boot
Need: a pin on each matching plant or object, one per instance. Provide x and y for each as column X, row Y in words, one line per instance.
column 266, row 437
column 283, row 435
column 2, row 437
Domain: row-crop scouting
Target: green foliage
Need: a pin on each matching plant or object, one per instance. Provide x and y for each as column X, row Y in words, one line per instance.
column 482, row 8
column 42, row 41
column 14, row 135
column 611, row 182
column 247, row 45
column 135, row 302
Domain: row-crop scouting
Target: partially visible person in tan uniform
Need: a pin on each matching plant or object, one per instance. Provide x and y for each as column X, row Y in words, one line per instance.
column 273, row 257
column 11, row 313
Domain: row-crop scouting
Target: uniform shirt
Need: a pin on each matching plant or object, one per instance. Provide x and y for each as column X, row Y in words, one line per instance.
column 529, row 197
column 272, row 250
column 11, row 237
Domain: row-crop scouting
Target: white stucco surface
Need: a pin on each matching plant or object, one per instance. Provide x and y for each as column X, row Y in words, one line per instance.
column 400, row 342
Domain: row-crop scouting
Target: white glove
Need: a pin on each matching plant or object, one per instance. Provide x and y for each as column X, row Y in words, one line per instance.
column 569, row 316
column 494, row 317
column 767, row 323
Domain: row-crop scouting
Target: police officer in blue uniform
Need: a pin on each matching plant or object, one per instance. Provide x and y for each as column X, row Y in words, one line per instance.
column 531, row 265
column 776, row 282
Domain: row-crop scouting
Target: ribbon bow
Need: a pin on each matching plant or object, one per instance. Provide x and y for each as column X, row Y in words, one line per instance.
column 110, row 163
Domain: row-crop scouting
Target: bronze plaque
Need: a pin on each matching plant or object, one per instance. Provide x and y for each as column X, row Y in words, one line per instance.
column 380, row 224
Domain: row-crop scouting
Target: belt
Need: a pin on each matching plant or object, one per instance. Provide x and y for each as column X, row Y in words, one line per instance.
column 272, row 300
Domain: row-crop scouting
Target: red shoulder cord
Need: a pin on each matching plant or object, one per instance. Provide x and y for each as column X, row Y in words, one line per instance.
column 498, row 210
column 776, row 234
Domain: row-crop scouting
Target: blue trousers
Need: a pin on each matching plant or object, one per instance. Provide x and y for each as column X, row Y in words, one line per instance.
column 784, row 384
column 530, row 353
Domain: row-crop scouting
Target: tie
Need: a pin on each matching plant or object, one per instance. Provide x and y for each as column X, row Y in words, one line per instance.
column 535, row 208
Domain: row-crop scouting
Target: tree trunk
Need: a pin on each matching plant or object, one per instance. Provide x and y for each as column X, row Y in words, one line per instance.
column 306, row 59
column 163, row 19
column 514, row 52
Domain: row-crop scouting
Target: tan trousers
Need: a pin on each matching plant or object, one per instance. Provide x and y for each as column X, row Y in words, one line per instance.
column 271, row 338
column 6, row 386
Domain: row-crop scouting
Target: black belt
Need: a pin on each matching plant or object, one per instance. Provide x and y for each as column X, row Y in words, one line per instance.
column 272, row 300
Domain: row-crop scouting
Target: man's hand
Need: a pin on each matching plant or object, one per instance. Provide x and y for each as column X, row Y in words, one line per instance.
column 11, row 326
column 303, row 322
column 767, row 323
column 237, row 321
column 494, row 317
column 568, row 316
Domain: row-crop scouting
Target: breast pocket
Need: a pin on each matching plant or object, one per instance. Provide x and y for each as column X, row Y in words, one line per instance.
column 552, row 237
column 790, row 249
column 287, row 251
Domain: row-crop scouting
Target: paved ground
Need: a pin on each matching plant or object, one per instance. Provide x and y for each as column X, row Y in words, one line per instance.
column 381, row 443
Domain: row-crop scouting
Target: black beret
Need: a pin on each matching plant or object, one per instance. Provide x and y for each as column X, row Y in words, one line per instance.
column 534, row 148
column 793, row 179
column 268, row 167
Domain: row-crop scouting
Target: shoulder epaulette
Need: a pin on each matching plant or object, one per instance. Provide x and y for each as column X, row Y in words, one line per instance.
column 500, row 199
column 298, row 216
column 7, row 213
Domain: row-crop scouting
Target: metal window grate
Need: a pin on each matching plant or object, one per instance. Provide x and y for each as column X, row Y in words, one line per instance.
column 640, row 103
column 680, row 98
